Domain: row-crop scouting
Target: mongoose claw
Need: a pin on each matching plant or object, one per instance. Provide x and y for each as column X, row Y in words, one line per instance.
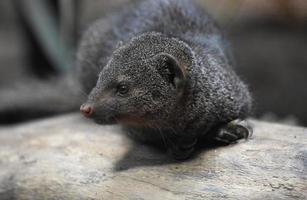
column 233, row 131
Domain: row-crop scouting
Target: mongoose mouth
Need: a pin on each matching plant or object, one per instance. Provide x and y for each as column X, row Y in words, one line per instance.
column 106, row 121
column 132, row 121
column 122, row 120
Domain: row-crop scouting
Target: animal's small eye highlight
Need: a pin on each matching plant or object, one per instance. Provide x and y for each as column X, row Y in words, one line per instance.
column 122, row 89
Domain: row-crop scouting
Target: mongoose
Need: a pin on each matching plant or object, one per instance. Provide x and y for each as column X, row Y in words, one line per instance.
column 163, row 71
column 160, row 68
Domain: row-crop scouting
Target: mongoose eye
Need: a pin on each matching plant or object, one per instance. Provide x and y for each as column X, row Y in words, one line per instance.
column 122, row 89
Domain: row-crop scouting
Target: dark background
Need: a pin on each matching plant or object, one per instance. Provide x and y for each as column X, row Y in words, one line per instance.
column 268, row 37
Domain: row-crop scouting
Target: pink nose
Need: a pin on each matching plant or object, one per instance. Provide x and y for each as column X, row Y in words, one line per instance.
column 86, row 109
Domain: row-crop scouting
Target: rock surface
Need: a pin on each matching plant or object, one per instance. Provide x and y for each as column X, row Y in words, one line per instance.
column 69, row 157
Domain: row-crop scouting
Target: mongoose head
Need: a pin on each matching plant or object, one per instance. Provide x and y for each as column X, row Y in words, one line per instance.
column 142, row 83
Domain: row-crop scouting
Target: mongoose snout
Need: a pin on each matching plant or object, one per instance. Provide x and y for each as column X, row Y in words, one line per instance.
column 86, row 109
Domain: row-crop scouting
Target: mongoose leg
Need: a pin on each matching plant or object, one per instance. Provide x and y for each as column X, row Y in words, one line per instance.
column 233, row 131
column 182, row 148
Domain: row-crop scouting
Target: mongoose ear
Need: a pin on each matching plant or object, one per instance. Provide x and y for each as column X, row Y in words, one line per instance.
column 172, row 71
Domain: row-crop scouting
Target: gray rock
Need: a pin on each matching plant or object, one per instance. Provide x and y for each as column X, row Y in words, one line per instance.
column 69, row 157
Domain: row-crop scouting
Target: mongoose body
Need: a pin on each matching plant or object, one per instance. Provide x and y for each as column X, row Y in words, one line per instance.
column 162, row 70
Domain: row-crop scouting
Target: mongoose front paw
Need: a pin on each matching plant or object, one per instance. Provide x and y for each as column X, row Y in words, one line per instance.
column 233, row 131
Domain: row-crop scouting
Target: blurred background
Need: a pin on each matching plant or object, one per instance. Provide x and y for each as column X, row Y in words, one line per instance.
column 38, row 39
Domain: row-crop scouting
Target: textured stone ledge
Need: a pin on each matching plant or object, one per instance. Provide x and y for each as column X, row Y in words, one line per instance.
column 69, row 157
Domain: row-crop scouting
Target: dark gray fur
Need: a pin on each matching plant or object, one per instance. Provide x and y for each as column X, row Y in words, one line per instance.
column 135, row 50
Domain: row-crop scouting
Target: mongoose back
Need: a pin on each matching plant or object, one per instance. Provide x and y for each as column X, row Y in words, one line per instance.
column 164, row 74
